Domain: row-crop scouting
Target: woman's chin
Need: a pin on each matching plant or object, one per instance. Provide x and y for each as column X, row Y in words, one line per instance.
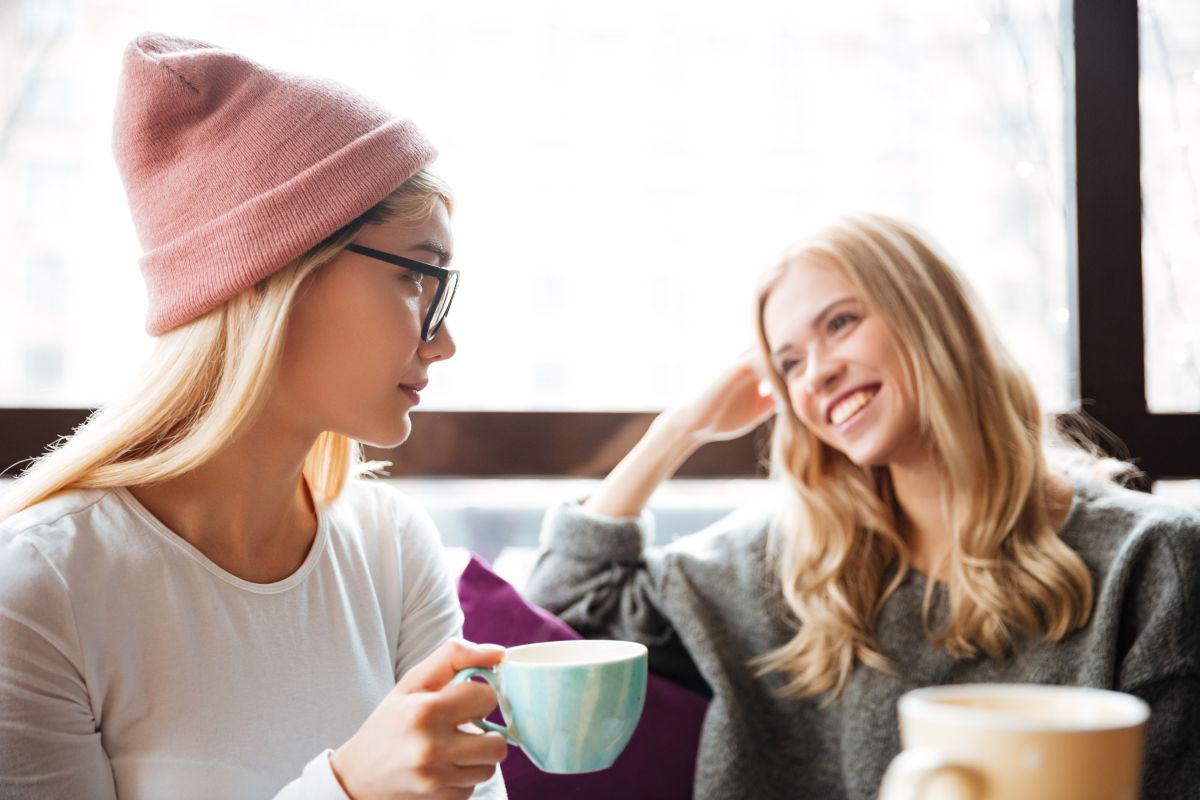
column 395, row 436
column 866, row 457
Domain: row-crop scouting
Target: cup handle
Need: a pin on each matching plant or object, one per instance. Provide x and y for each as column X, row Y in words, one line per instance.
column 488, row 675
column 910, row 772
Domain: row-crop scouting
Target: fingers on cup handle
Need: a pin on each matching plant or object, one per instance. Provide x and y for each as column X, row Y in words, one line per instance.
column 468, row 700
column 436, row 671
column 478, row 749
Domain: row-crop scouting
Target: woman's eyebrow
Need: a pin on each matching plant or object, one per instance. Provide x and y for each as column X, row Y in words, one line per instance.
column 434, row 248
column 820, row 317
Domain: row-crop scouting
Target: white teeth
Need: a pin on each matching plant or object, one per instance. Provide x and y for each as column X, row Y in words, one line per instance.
column 850, row 406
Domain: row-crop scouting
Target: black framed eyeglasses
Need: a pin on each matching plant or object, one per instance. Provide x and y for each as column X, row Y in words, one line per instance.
column 447, row 280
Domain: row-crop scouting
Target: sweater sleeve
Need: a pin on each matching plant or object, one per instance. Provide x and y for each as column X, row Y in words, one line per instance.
column 597, row 573
column 1172, row 740
column 50, row 743
column 1160, row 649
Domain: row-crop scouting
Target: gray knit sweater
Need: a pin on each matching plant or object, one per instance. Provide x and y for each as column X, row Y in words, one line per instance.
column 707, row 603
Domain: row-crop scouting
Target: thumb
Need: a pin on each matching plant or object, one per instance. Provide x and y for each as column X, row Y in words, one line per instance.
column 443, row 664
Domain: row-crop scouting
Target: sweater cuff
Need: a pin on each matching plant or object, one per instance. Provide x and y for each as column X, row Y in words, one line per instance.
column 571, row 529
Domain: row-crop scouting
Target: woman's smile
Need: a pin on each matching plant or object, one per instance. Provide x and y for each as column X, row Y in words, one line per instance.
column 846, row 411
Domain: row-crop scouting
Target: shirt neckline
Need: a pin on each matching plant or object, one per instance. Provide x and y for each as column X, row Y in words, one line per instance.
column 187, row 548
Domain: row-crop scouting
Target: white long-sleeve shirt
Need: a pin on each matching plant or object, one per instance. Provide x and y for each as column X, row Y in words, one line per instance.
column 132, row 666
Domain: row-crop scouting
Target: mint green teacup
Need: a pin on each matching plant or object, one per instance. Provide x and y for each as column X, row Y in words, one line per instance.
column 572, row 706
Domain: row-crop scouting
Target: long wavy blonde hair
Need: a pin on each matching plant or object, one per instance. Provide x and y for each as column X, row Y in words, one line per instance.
column 206, row 381
column 1008, row 576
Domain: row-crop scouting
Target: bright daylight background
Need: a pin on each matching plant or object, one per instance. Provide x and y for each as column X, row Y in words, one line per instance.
column 624, row 170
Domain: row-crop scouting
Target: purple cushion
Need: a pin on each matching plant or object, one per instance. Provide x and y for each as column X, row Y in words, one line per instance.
column 661, row 757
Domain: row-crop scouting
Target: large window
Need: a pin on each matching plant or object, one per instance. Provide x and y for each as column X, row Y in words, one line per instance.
column 1170, row 102
column 624, row 170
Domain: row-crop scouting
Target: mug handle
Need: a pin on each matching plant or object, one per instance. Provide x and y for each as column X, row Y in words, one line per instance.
column 910, row 772
column 488, row 675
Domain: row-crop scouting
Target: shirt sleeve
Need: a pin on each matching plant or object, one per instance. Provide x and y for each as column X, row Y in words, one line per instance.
column 50, row 742
column 432, row 613
column 316, row 782
column 431, row 610
column 491, row 789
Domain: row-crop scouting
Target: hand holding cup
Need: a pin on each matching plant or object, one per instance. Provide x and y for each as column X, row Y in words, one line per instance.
column 411, row 745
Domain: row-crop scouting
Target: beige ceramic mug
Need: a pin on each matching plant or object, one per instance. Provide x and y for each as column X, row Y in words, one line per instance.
column 1018, row 742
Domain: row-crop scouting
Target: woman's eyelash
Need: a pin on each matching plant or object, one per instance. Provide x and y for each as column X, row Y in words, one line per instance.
column 842, row 320
column 835, row 324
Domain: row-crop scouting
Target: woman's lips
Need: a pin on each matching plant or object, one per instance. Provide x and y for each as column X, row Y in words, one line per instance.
column 413, row 391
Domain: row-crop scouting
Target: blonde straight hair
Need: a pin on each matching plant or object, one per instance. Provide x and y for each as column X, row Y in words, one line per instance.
column 1009, row 576
column 206, row 381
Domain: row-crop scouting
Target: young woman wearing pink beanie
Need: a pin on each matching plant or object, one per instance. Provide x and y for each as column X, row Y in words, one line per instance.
column 198, row 597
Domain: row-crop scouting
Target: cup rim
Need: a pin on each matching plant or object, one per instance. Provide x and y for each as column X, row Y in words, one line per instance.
column 634, row 651
column 928, row 704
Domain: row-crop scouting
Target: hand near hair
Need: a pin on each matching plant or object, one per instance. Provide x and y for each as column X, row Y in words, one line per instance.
column 411, row 747
column 729, row 407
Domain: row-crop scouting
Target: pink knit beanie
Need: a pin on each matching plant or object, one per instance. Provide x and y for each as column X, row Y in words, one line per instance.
column 234, row 169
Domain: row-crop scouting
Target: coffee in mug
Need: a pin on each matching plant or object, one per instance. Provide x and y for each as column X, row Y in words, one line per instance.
column 1018, row 742
column 572, row 706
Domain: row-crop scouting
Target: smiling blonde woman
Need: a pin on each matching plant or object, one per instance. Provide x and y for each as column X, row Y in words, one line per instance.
column 923, row 534
column 199, row 598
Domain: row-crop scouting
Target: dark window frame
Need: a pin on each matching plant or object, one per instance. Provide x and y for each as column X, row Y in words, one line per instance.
column 1105, row 273
column 1107, row 264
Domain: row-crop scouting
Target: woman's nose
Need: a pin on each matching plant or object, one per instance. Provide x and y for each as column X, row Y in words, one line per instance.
column 442, row 346
column 819, row 371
